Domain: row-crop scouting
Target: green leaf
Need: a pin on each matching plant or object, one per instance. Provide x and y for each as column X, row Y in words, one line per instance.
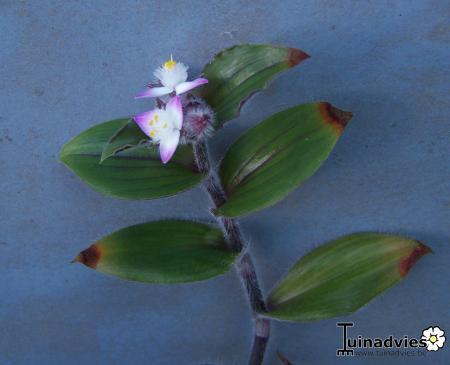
column 136, row 173
column 165, row 252
column 127, row 136
column 238, row 72
column 276, row 156
column 340, row 277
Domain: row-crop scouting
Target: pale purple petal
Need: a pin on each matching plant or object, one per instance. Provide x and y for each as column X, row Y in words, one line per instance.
column 142, row 120
column 175, row 109
column 168, row 145
column 153, row 92
column 189, row 85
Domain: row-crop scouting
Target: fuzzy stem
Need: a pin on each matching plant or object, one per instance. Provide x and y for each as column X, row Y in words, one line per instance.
column 244, row 266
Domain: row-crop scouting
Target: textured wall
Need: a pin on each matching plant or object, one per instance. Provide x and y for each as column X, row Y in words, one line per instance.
column 66, row 65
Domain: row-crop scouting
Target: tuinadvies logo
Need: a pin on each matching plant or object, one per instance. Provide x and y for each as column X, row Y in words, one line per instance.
column 432, row 339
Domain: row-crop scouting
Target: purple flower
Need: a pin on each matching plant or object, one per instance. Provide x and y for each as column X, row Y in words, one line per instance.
column 163, row 126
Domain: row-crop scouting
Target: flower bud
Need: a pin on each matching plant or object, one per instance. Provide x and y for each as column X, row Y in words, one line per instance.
column 198, row 119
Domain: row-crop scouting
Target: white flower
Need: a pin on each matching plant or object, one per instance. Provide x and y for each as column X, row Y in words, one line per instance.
column 163, row 126
column 434, row 338
column 172, row 76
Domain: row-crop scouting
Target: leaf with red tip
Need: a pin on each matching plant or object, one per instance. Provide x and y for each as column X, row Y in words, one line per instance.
column 165, row 252
column 340, row 277
column 238, row 72
column 276, row 156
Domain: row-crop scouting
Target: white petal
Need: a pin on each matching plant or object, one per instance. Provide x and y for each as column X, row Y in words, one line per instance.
column 168, row 145
column 186, row 86
column 172, row 77
column 427, row 332
column 438, row 332
column 175, row 111
column 432, row 347
column 153, row 92
column 440, row 341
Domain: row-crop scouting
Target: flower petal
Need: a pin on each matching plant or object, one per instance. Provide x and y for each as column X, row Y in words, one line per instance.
column 440, row 341
column 168, row 145
column 175, row 110
column 171, row 77
column 153, row 92
column 432, row 347
column 438, row 332
column 427, row 332
column 189, row 85
column 142, row 120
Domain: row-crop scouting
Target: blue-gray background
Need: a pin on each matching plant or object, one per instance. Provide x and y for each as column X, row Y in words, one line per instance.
column 66, row 65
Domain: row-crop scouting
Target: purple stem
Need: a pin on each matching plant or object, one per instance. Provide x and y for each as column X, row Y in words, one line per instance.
column 244, row 265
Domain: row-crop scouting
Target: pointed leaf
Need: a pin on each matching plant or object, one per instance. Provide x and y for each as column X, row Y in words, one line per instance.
column 276, row 156
column 340, row 277
column 127, row 136
column 136, row 173
column 163, row 252
column 238, row 72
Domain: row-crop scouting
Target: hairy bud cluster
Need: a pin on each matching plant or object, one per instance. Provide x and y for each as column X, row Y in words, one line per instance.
column 198, row 119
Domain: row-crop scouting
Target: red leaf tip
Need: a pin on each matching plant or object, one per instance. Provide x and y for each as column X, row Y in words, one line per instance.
column 336, row 117
column 295, row 56
column 89, row 257
column 408, row 262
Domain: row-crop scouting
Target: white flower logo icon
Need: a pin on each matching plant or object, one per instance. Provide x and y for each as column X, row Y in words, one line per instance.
column 434, row 338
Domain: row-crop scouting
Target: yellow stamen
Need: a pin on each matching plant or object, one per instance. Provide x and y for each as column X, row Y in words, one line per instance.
column 150, row 122
column 152, row 134
column 165, row 125
column 433, row 339
column 156, row 117
column 169, row 64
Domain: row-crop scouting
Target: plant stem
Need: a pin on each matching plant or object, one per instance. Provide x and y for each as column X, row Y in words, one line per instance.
column 244, row 265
